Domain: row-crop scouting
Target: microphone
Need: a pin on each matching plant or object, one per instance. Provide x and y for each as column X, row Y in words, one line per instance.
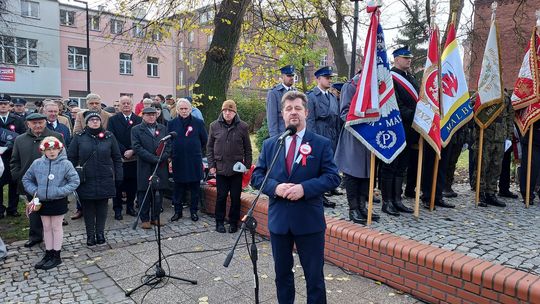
column 170, row 136
column 291, row 130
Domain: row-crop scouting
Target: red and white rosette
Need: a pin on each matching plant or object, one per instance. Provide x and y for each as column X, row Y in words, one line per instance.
column 12, row 127
column 130, row 122
column 305, row 150
column 189, row 130
column 157, row 132
column 101, row 135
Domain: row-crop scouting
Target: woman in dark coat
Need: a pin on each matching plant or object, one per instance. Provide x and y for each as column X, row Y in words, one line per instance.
column 187, row 154
column 96, row 150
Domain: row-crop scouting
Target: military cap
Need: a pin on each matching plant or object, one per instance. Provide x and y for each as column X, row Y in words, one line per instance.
column 149, row 110
column 325, row 71
column 35, row 116
column 19, row 101
column 72, row 103
column 5, row 97
column 287, row 70
column 338, row 85
column 169, row 96
column 402, row 52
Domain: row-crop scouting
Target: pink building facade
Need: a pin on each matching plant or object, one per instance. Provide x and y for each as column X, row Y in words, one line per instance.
column 121, row 63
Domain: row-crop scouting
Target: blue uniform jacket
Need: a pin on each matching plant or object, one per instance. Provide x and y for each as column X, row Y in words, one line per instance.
column 306, row 215
column 276, row 125
column 323, row 115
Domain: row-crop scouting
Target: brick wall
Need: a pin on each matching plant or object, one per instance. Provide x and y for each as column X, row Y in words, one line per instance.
column 430, row 273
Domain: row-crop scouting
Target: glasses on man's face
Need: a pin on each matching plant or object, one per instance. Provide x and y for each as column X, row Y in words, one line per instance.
column 183, row 109
column 94, row 120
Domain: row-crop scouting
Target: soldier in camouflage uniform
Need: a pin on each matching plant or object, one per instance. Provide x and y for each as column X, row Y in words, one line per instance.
column 492, row 155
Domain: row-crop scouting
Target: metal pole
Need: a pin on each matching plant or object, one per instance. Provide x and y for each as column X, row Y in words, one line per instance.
column 87, row 49
column 355, row 34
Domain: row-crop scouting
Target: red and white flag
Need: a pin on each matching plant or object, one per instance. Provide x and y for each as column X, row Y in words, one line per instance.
column 525, row 98
column 427, row 117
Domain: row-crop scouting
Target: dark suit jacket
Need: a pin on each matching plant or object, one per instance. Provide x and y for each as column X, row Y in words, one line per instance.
column 14, row 124
column 145, row 145
column 306, row 215
column 122, row 129
column 187, row 151
column 62, row 129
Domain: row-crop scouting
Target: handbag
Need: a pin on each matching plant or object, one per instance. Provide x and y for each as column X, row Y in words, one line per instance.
column 80, row 169
column 33, row 205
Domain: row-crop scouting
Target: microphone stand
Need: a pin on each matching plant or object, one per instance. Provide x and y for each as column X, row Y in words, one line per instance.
column 160, row 272
column 250, row 223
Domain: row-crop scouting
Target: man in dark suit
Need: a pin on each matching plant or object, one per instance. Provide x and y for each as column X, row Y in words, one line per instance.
column 51, row 110
column 303, row 172
column 15, row 124
column 120, row 125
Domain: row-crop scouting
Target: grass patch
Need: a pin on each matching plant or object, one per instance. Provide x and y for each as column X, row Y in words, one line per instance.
column 14, row 228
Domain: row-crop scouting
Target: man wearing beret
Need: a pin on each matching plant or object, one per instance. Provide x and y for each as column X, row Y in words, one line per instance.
column 25, row 151
column 13, row 123
column 273, row 101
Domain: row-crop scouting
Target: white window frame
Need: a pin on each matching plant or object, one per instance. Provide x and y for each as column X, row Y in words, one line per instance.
column 138, row 30
column 23, row 51
column 181, row 78
column 67, row 17
column 94, row 23
column 117, row 26
column 126, row 65
column 324, row 60
column 191, row 36
column 75, row 54
column 152, row 68
column 209, row 39
column 29, row 9
column 157, row 35
column 181, row 51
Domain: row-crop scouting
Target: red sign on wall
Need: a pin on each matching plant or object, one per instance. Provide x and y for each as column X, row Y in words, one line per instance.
column 7, row 74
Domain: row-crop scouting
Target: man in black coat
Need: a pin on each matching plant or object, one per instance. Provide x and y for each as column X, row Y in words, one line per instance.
column 13, row 123
column 146, row 142
column 120, row 125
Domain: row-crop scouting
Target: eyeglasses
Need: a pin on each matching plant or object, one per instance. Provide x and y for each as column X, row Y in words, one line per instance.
column 94, row 120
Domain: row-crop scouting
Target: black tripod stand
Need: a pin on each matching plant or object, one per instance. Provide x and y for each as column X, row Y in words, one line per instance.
column 154, row 194
column 250, row 223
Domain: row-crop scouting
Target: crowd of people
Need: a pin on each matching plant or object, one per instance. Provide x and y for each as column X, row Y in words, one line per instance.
column 57, row 150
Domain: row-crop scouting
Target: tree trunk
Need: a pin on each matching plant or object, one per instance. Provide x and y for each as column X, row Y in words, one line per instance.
column 336, row 40
column 213, row 82
column 456, row 6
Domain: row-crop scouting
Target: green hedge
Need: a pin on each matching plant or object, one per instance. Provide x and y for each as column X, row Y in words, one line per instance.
column 261, row 135
column 251, row 109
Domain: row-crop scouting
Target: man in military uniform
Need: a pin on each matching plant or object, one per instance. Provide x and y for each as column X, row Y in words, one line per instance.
column 495, row 135
column 15, row 124
column 273, row 101
column 323, row 113
column 392, row 174
column 19, row 107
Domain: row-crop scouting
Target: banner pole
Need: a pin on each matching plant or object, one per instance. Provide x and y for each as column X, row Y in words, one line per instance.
column 371, row 186
column 479, row 166
column 418, row 177
column 434, row 183
column 529, row 160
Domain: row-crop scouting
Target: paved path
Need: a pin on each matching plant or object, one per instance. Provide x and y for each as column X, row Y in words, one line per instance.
column 508, row 236
column 193, row 250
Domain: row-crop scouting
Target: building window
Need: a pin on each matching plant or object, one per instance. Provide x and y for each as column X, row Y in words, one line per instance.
column 138, row 30
column 191, row 36
column 117, row 26
column 67, row 17
column 77, row 58
column 181, row 78
column 181, row 51
column 79, row 96
column 125, row 64
column 191, row 58
column 15, row 50
column 29, row 9
column 324, row 61
column 94, row 23
column 152, row 66
column 209, row 39
column 157, row 36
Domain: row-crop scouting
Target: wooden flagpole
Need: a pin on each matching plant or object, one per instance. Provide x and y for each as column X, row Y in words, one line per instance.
column 418, row 177
column 371, row 186
column 434, row 183
column 479, row 165
column 529, row 161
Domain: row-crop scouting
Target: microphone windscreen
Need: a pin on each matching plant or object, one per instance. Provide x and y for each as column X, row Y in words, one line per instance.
column 173, row 134
column 292, row 129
